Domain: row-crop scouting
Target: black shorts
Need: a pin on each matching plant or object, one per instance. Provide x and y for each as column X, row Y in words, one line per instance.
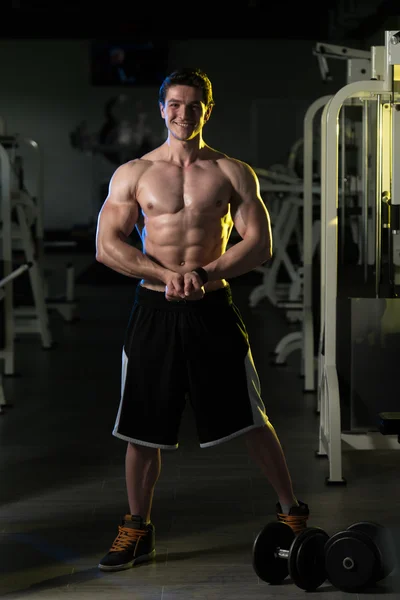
column 188, row 350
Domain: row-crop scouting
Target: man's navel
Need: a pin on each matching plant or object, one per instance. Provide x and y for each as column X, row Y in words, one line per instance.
column 187, row 199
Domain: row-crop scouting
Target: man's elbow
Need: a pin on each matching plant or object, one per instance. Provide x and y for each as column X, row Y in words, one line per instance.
column 101, row 254
column 107, row 248
column 265, row 253
column 266, row 256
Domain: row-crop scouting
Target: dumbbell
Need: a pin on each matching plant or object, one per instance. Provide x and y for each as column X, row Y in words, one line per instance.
column 279, row 552
column 359, row 557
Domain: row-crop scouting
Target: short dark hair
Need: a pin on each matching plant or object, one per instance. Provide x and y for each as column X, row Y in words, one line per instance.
column 192, row 77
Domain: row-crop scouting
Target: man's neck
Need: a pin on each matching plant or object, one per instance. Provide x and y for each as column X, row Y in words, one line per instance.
column 184, row 153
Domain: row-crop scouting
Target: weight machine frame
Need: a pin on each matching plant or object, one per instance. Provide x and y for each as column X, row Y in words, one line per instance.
column 20, row 235
column 358, row 69
column 331, row 437
column 4, row 283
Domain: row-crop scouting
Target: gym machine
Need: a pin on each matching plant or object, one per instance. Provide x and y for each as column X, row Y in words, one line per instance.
column 372, row 308
column 281, row 192
column 303, row 194
column 281, row 189
column 358, row 69
column 285, row 218
column 3, row 283
column 16, row 230
column 22, row 241
column 7, row 238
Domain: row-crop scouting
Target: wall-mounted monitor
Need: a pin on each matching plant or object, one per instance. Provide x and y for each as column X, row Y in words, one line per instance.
column 133, row 62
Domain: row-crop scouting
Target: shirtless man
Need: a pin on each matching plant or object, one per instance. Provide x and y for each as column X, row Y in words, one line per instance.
column 185, row 337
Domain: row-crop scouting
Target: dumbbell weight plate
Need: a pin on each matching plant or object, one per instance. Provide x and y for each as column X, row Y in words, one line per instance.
column 307, row 559
column 266, row 563
column 381, row 537
column 351, row 561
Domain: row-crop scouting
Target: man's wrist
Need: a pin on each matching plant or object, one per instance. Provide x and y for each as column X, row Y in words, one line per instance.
column 202, row 273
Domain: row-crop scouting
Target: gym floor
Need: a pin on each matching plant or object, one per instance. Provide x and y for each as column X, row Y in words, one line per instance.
column 62, row 490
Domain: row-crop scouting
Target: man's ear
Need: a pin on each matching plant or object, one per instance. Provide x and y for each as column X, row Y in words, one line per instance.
column 162, row 110
column 207, row 114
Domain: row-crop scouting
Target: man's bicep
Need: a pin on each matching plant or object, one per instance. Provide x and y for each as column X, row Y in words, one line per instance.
column 120, row 211
column 249, row 212
column 251, row 218
column 118, row 216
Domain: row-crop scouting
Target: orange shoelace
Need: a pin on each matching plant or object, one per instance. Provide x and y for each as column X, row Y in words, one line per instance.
column 126, row 537
column 296, row 522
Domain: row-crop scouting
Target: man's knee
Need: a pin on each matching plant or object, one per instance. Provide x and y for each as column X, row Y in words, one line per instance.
column 141, row 449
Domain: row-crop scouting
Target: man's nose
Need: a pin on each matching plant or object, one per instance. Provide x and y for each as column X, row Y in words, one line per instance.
column 186, row 111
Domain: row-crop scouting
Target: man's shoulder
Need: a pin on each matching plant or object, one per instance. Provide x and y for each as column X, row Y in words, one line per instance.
column 130, row 172
column 136, row 165
column 225, row 159
column 234, row 165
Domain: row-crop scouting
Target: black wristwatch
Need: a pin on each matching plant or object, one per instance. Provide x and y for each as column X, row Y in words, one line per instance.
column 202, row 273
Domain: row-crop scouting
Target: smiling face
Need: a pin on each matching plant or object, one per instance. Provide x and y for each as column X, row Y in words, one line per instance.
column 184, row 112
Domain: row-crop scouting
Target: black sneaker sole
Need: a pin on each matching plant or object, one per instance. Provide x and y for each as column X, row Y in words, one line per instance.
column 140, row 559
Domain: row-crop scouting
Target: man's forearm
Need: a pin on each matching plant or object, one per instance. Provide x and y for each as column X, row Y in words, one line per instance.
column 128, row 260
column 239, row 259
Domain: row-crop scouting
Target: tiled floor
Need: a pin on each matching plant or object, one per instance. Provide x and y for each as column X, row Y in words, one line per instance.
column 62, row 489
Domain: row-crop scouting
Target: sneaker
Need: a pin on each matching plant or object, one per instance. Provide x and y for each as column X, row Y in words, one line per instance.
column 297, row 517
column 134, row 544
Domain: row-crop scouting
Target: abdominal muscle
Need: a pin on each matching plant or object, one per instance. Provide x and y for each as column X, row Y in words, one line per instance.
column 182, row 249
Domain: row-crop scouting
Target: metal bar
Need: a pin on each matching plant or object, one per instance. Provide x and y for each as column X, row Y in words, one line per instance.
column 342, row 196
column 7, row 352
column 329, row 189
column 16, row 273
column 365, row 187
column 378, row 196
column 308, row 242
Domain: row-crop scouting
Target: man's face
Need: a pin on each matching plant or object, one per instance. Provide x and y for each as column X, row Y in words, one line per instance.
column 184, row 112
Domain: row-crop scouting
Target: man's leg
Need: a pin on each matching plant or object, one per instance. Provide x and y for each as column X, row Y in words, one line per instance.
column 135, row 541
column 265, row 448
column 142, row 470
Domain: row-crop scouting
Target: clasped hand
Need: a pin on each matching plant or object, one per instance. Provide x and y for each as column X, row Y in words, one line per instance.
column 184, row 287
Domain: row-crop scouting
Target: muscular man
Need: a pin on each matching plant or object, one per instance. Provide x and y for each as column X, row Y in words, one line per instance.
column 186, row 339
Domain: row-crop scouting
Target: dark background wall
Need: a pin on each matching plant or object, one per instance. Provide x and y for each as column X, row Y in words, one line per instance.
column 264, row 78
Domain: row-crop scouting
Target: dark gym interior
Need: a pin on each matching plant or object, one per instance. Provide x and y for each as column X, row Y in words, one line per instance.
column 62, row 477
